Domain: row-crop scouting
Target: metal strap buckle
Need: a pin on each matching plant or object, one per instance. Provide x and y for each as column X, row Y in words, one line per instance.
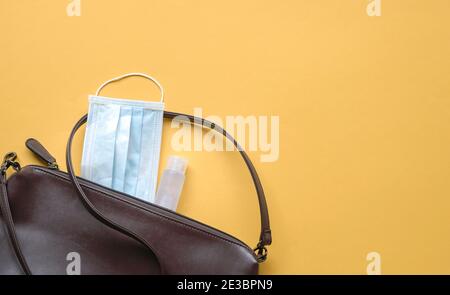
column 261, row 253
column 9, row 161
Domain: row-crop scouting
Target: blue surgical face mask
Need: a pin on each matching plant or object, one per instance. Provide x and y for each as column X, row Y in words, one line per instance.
column 122, row 143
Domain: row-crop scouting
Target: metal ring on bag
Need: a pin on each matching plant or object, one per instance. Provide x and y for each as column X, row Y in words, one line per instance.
column 9, row 161
column 261, row 253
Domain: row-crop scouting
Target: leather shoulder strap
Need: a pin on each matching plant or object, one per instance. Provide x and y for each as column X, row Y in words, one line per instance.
column 265, row 234
column 7, row 218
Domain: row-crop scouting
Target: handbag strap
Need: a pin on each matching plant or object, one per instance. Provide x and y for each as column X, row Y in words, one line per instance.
column 265, row 237
column 6, row 211
column 10, row 228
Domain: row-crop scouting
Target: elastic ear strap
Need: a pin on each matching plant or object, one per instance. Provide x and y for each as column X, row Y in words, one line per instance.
column 161, row 89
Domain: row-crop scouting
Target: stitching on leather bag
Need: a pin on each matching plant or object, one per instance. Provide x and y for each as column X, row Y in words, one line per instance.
column 149, row 211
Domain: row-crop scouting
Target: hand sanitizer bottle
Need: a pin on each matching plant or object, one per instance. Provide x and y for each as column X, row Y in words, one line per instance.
column 171, row 183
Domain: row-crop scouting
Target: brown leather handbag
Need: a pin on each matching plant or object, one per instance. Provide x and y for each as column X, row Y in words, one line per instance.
column 47, row 214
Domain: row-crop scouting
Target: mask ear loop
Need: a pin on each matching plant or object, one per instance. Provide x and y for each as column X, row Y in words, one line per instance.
column 131, row 75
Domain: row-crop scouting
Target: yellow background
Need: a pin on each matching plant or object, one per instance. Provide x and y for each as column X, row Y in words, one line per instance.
column 364, row 106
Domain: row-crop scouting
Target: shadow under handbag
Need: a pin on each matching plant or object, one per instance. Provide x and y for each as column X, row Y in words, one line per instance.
column 46, row 214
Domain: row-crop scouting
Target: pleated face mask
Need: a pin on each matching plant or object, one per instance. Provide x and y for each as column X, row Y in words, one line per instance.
column 122, row 143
